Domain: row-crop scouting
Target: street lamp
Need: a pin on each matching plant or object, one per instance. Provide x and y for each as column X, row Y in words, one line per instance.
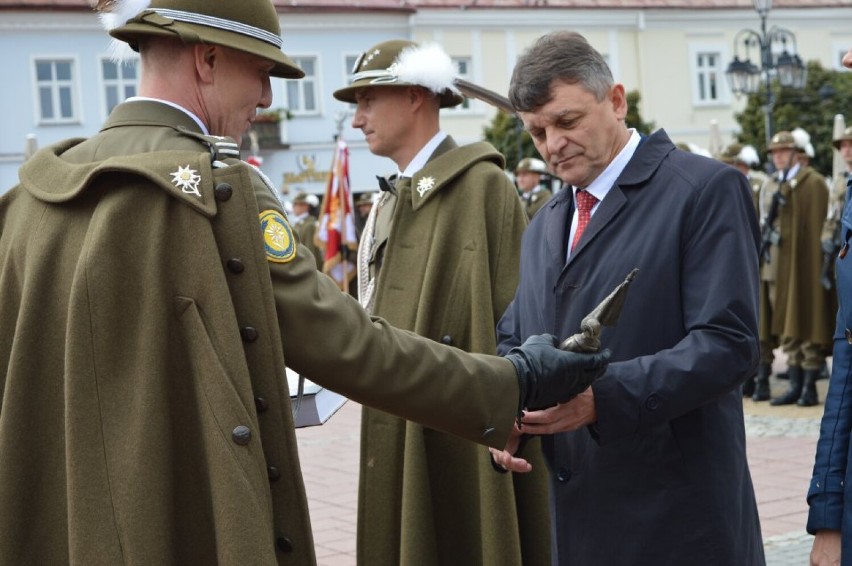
column 744, row 77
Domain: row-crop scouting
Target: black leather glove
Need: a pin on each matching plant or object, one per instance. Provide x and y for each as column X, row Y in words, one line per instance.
column 548, row 375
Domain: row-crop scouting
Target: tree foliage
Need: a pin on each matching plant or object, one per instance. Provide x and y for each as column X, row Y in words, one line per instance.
column 506, row 132
column 633, row 118
column 813, row 108
column 508, row 135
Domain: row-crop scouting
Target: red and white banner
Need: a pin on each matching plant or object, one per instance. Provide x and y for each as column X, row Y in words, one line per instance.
column 336, row 233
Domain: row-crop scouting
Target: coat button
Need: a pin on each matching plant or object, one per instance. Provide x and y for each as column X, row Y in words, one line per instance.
column 222, row 192
column 284, row 544
column 848, row 336
column 564, row 475
column 249, row 333
column 241, row 435
column 273, row 473
column 236, row 265
column 447, row 339
column 652, row 403
column 260, row 404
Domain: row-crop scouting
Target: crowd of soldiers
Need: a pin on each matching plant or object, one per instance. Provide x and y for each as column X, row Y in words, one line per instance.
column 799, row 211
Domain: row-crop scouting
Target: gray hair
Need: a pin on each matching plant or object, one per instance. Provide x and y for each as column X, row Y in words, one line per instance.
column 561, row 56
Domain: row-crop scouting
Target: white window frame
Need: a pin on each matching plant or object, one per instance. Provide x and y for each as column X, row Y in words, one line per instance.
column 300, row 84
column 723, row 91
column 121, row 82
column 347, row 72
column 73, row 84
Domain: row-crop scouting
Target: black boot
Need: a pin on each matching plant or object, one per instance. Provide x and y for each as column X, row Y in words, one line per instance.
column 794, row 373
column 809, row 392
column 761, row 389
column 748, row 387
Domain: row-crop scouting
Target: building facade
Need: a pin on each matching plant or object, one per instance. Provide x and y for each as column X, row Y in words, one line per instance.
column 60, row 81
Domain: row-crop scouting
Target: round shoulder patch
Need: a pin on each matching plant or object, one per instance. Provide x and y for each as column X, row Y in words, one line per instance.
column 277, row 237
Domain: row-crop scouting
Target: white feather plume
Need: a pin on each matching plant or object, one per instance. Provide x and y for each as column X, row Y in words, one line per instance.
column 120, row 12
column 809, row 150
column 748, row 155
column 426, row 65
column 801, row 138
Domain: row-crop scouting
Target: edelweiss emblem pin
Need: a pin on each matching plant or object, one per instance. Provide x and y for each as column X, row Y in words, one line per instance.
column 187, row 179
column 425, row 184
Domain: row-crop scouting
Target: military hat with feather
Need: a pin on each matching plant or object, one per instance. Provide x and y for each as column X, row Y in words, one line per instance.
column 399, row 63
column 248, row 25
column 845, row 136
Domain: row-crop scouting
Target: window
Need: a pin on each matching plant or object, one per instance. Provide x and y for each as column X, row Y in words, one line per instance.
column 55, row 87
column 463, row 68
column 302, row 93
column 707, row 67
column 348, row 65
column 707, row 74
column 120, row 80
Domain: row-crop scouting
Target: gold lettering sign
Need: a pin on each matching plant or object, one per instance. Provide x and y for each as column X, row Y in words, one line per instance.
column 307, row 174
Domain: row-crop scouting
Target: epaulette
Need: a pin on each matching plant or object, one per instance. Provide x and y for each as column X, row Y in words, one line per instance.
column 220, row 147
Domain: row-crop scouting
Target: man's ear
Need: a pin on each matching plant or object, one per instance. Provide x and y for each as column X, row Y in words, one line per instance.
column 206, row 59
column 619, row 100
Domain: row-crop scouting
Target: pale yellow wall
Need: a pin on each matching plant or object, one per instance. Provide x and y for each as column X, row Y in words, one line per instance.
column 652, row 56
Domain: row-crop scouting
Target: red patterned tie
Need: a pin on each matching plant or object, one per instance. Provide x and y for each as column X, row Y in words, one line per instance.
column 585, row 202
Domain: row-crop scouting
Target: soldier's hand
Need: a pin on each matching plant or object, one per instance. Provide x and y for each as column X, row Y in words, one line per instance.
column 548, row 375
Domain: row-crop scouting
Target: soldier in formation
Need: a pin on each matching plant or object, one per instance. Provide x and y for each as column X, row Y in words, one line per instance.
column 796, row 309
column 747, row 161
column 530, row 174
column 831, row 237
column 304, row 223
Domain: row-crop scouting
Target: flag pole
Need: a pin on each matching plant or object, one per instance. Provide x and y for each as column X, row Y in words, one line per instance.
column 341, row 213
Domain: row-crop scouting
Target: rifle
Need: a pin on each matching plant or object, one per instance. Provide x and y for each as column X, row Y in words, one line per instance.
column 830, row 249
column 832, row 245
column 769, row 235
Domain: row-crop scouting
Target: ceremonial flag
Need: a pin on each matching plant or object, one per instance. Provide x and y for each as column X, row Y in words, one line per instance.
column 336, row 231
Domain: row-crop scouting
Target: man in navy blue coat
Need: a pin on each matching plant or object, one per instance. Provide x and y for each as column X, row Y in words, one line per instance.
column 830, row 493
column 647, row 466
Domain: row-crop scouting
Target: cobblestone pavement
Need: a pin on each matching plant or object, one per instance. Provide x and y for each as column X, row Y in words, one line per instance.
column 780, row 444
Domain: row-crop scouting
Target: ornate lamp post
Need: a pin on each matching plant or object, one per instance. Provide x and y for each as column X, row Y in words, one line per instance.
column 775, row 62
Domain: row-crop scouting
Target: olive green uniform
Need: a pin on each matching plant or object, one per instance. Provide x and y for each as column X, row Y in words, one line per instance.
column 837, row 200
column 149, row 297
column 536, row 198
column 445, row 248
column 798, row 310
column 306, row 229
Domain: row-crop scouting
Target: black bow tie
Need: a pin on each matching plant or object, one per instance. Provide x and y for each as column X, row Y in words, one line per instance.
column 385, row 184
